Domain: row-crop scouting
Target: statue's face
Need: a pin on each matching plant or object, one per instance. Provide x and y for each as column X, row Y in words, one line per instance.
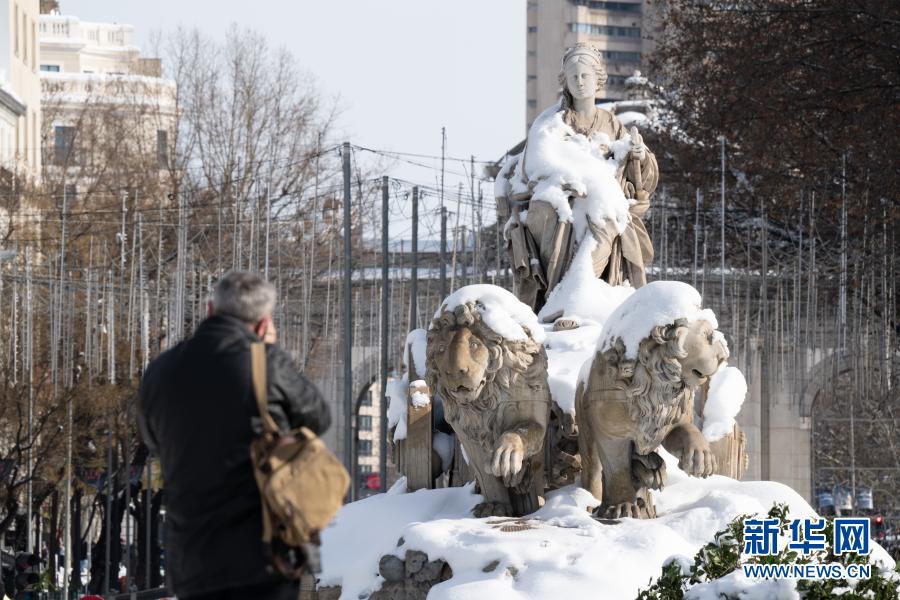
column 705, row 353
column 462, row 360
column 581, row 80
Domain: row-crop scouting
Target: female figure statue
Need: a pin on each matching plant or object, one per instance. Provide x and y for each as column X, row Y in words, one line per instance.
column 581, row 174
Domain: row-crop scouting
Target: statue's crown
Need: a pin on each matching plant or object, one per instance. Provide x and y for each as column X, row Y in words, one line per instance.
column 582, row 49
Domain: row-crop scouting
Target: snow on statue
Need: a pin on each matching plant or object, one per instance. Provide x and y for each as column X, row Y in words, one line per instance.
column 580, row 174
column 638, row 393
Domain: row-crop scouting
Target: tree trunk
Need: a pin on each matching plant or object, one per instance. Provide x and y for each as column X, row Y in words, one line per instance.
column 98, row 552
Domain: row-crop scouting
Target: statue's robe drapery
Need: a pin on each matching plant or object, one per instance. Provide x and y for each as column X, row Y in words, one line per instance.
column 542, row 246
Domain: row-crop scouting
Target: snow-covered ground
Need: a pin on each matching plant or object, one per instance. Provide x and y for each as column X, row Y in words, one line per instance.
column 558, row 552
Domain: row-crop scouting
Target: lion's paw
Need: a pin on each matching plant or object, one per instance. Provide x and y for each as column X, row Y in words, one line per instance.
column 639, row 509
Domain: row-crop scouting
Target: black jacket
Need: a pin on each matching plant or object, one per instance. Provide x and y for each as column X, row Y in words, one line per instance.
column 196, row 411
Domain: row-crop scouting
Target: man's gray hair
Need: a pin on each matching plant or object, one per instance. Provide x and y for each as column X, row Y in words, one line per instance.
column 245, row 296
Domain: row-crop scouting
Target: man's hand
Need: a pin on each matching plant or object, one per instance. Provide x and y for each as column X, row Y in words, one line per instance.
column 638, row 150
column 271, row 335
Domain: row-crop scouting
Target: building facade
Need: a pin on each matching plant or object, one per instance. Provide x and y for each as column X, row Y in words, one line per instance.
column 96, row 88
column 621, row 30
column 20, row 87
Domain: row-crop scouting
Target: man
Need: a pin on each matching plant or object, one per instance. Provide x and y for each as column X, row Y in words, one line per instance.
column 197, row 413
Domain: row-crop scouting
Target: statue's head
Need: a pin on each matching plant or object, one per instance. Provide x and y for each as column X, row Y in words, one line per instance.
column 582, row 74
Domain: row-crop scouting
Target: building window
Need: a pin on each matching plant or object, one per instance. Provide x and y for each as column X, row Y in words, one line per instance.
column 63, row 144
column 367, row 399
column 532, row 77
column 609, row 30
column 162, row 148
column 16, row 28
column 532, row 104
column 50, row 68
column 532, row 29
column 364, row 469
column 532, row 53
column 622, row 56
column 616, row 79
column 25, row 38
column 33, row 46
column 618, row 6
column 365, row 422
column 364, row 447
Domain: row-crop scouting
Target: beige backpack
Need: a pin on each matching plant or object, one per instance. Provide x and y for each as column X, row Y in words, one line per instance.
column 302, row 484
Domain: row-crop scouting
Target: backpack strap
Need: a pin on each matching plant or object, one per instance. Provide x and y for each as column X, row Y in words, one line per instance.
column 258, row 377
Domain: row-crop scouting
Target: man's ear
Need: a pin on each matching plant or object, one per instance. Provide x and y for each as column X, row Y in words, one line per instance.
column 262, row 327
column 209, row 308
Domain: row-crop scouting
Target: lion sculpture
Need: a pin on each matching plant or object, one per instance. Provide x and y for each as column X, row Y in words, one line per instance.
column 627, row 408
column 496, row 399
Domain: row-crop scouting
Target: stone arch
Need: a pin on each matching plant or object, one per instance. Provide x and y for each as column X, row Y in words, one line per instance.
column 817, row 378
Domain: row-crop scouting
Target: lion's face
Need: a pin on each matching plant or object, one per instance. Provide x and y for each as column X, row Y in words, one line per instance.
column 704, row 354
column 462, row 359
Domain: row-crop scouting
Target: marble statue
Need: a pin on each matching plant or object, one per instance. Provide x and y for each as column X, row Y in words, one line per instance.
column 496, row 399
column 629, row 407
column 542, row 243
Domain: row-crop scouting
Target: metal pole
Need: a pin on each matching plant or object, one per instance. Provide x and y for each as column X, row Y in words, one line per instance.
column 268, row 225
column 348, row 326
column 108, row 541
column 29, row 349
column 67, row 565
column 385, row 334
column 696, row 235
column 443, row 252
column 148, row 579
column 722, row 233
column 765, row 401
column 414, row 279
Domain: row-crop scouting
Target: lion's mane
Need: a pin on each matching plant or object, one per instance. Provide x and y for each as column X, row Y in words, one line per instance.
column 653, row 382
column 513, row 363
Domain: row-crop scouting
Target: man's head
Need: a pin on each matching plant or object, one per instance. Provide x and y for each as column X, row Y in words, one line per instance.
column 248, row 297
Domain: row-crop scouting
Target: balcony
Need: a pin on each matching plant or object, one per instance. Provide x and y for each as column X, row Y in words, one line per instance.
column 59, row 29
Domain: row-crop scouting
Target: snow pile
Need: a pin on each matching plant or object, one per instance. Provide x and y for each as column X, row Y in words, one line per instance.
column 444, row 444
column 584, row 298
column 567, row 351
column 561, row 162
column 419, row 398
column 581, row 294
column 366, row 530
column 416, row 342
column 500, row 310
column 727, row 390
column 735, row 585
column 396, row 395
column 558, row 552
column 657, row 303
column 397, row 389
